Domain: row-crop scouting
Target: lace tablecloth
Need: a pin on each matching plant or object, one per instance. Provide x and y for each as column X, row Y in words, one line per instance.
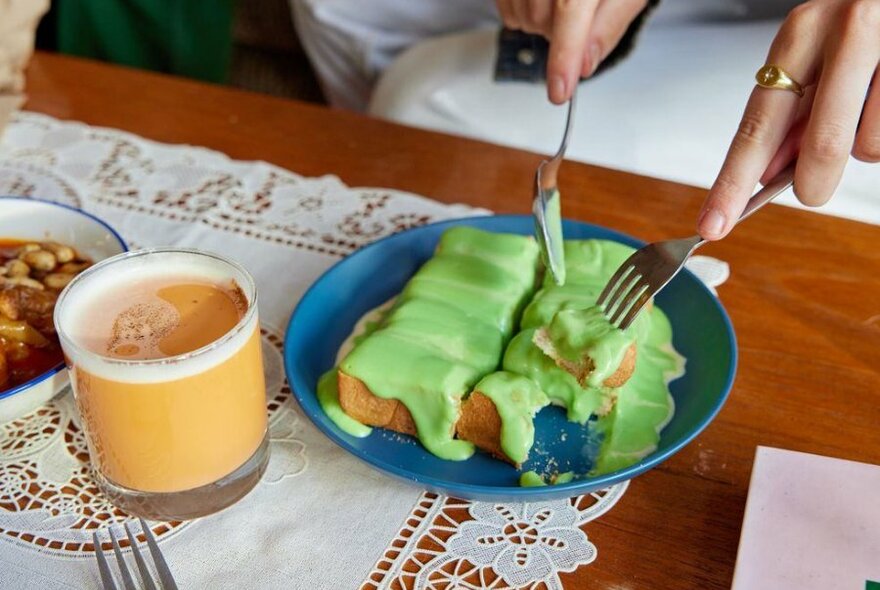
column 320, row 518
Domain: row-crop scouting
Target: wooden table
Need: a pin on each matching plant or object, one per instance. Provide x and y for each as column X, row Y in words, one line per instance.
column 804, row 292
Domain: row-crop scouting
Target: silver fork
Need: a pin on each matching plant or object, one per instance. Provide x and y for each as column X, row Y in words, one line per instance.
column 545, row 186
column 165, row 578
column 650, row 268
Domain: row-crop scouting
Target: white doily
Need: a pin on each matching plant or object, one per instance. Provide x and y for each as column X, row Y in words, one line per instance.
column 26, row 180
column 41, row 156
column 449, row 543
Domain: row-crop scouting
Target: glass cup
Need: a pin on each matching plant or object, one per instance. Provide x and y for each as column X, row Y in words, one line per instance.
column 169, row 438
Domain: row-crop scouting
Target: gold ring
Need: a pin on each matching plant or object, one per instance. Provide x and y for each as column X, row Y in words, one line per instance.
column 770, row 76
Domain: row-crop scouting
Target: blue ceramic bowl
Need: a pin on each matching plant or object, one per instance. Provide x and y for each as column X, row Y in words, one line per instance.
column 34, row 219
column 372, row 275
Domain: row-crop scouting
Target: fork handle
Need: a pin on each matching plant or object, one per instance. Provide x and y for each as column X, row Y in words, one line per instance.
column 776, row 186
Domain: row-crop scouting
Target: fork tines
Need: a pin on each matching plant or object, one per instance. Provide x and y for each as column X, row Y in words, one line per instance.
column 146, row 576
column 626, row 292
column 651, row 267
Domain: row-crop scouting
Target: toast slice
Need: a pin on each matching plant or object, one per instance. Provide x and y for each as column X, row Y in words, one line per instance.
column 447, row 330
column 359, row 402
column 582, row 368
column 480, row 424
column 585, row 344
column 498, row 416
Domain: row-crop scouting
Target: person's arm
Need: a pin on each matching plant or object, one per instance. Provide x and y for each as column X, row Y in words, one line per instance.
column 582, row 34
column 832, row 48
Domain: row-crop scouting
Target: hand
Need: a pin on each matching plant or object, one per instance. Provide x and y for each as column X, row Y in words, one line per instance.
column 832, row 47
column 581, row 33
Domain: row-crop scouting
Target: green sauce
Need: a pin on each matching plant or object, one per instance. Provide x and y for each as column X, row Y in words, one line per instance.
column 369, row 328
column 644, row 405
column 553, row 298
column 448, row 330
column 328, row 397
column 579, row 334
column 530, row 479
column 591, row 262
column 517, row 399
column 566, row 477
column 512, row 252
column 524, row 358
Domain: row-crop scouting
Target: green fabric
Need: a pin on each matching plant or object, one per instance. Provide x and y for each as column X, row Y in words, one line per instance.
column 185, row 37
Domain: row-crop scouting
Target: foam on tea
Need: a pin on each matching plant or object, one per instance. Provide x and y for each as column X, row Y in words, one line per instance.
column 164, row 318
column 153, row 309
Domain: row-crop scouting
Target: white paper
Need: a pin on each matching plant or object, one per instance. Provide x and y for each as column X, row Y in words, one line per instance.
column 811, row 523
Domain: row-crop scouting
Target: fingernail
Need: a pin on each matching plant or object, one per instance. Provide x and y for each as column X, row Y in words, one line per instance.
column 595, row 57
column 557, row 89
column 712, row 223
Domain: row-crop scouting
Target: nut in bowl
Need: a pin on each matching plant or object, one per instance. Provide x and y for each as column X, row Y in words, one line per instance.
column 43, row 245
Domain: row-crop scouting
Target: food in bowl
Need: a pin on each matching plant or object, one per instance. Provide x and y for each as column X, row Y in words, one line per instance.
column 32, row 273
column 446, row 363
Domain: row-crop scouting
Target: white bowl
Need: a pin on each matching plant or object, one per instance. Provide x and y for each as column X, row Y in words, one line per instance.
column 32, row 219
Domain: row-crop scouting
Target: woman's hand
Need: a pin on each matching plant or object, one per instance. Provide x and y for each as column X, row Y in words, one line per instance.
column 832, row 47
column 581, row 33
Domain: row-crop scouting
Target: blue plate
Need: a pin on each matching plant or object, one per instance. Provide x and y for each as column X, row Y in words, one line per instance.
column 372, row 275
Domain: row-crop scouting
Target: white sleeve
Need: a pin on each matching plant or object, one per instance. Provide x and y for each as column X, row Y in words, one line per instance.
column 351, row 42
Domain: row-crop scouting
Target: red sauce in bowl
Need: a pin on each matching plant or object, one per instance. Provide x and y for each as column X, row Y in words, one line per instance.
column 24, row 362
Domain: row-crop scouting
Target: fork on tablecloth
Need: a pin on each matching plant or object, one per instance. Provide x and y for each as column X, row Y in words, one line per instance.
column 650, row 268
column 166, row 580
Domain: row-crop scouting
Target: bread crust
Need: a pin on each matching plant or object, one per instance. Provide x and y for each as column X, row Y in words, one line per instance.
column 361, row 404
column 480, row 424
column 581, row 369
column 625, row 370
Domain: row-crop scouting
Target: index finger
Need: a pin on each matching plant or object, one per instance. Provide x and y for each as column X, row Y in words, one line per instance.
column 568, row 43
column 768, row 115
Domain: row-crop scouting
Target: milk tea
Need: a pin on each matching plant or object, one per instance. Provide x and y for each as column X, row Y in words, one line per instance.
column 165, row 359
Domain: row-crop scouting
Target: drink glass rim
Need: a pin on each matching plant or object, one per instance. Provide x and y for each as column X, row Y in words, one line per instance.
column 250, row 289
